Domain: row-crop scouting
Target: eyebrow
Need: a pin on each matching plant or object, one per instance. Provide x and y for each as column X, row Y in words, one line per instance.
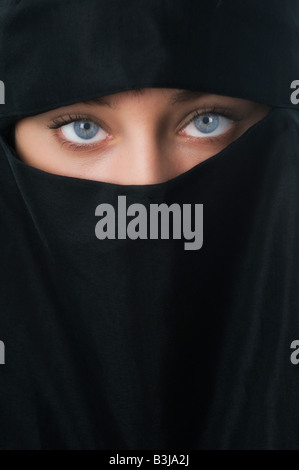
column 179, row 97
column 185, row 96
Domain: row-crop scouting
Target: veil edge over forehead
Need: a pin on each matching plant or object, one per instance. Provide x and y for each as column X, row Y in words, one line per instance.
column 54, row 53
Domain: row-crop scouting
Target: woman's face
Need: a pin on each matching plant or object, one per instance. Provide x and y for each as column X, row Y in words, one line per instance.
column 135, row 137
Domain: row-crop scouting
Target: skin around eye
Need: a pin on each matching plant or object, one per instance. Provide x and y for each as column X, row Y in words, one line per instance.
column 127, row 138
column 86, row 132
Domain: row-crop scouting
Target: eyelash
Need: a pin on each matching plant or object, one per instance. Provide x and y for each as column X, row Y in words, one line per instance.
column 62, row 120
column 69, row 118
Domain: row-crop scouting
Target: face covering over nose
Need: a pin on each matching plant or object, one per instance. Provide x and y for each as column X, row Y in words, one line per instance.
column 116, row 336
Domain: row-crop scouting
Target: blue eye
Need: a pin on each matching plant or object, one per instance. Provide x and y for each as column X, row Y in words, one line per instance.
column 207, row 125
column 83, row 131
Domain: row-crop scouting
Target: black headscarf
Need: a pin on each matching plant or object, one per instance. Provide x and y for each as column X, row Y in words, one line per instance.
column 141, row 344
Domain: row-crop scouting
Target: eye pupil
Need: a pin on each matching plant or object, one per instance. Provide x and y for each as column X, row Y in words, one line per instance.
column 86, row 125
column 206, row 120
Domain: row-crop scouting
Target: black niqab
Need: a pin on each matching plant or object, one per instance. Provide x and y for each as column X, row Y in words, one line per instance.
column 140, row 344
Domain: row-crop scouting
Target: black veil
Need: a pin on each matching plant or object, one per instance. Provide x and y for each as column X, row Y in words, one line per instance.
column 140, row 344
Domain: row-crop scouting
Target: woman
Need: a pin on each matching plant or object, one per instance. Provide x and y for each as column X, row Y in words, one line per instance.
column 133, row 342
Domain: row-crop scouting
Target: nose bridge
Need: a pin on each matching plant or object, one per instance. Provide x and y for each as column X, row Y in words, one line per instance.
column 144, row 153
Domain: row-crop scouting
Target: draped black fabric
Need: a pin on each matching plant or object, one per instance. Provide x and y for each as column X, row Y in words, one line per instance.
column 57, row 52
column 141, row 344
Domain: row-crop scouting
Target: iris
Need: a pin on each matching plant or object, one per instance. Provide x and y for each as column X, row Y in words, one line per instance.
column 207, row 123
column 86, row 129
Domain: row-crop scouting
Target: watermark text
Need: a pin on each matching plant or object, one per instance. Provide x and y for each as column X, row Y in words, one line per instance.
column 2, row 353
column 158, row 222
column 2, row 92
